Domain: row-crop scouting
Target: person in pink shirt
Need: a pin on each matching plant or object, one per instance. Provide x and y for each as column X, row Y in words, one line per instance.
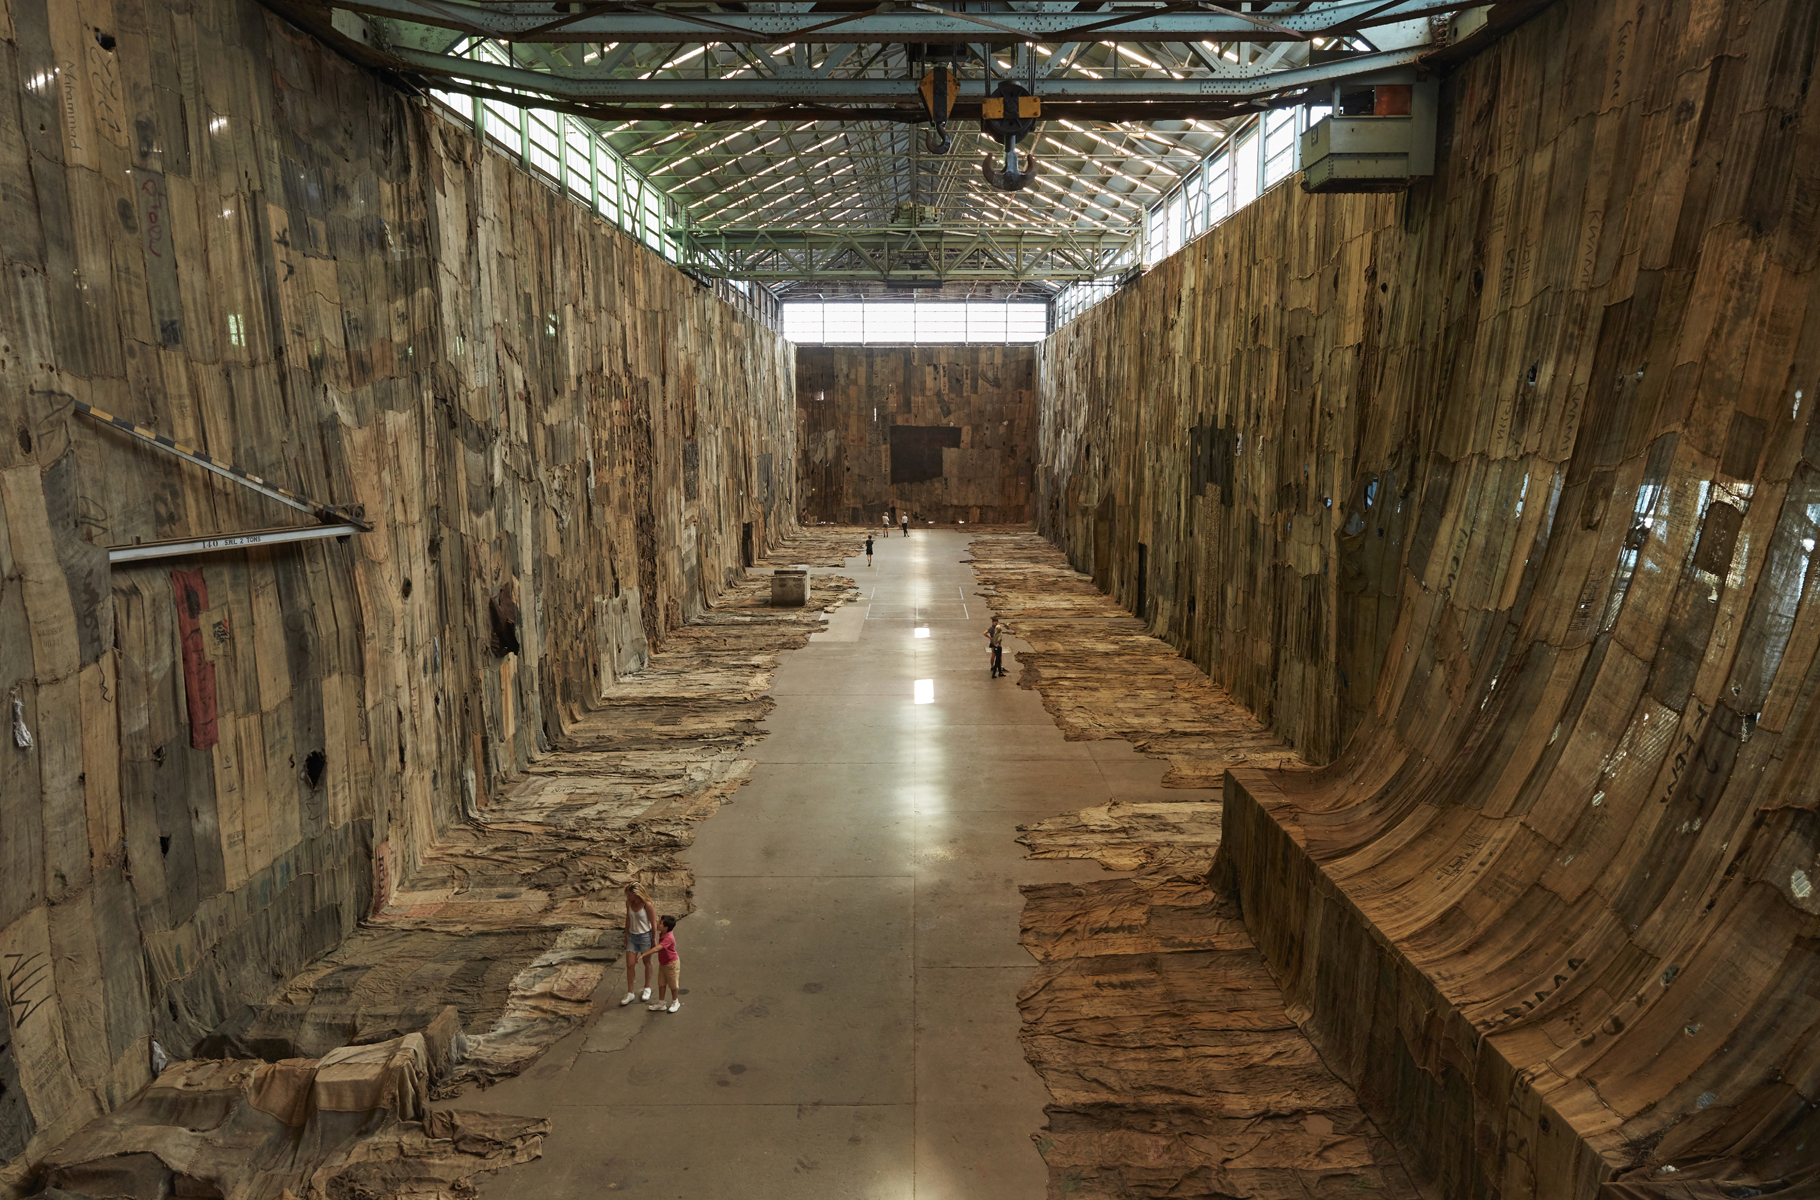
column 669, row 968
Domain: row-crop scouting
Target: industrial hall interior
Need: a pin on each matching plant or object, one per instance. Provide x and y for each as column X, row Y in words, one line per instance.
column 882, row 600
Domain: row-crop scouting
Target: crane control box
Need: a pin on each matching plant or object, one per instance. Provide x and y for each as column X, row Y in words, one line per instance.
column 1379, row 136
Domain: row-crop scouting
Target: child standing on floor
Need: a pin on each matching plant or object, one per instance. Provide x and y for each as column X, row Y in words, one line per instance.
column 868, row 549
column 669, row 968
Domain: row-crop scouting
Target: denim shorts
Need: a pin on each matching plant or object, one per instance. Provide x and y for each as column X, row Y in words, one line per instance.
column 638, row 943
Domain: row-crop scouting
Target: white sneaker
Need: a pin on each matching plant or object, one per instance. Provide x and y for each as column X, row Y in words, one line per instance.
column 654, row 1007
column 645, row 995
column 675, row 1004
column 629, row 998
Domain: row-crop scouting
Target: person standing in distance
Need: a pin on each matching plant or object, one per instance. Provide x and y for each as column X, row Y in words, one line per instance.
column 641, row 920
column 906, row 520
column 995, row 638
column 868, row 549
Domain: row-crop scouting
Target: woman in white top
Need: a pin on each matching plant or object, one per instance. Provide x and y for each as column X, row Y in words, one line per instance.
column 641, row 919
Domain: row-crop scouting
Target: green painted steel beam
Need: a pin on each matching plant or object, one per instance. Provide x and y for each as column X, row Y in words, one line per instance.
column 905, row 253
column 579, row 89
column 910, row 22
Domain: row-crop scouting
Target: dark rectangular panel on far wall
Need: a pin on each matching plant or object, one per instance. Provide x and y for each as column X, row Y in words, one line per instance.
column 916, row 451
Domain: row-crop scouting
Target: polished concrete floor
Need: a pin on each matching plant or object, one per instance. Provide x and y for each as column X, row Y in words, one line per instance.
column 849, row 1021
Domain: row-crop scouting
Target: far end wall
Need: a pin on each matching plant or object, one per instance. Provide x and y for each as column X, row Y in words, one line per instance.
column 943, row 432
